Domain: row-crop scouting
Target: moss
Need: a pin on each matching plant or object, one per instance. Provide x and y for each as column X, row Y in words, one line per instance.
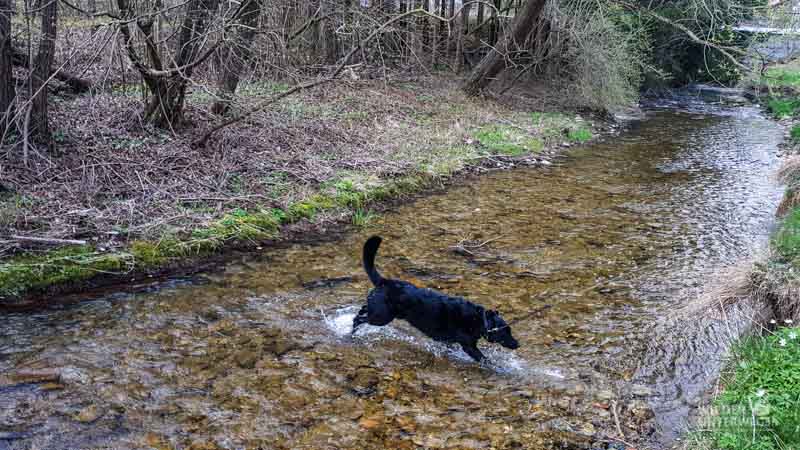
column 307, row 209
column 535, row 145
column 347, row 195
column 300, row 210
column 241, row 225
column 31, row 272
column 147, row 254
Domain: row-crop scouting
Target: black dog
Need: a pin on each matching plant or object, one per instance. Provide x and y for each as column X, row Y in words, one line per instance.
column 443, row 318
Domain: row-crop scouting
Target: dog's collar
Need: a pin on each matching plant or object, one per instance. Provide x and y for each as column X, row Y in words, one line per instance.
column 486, row 326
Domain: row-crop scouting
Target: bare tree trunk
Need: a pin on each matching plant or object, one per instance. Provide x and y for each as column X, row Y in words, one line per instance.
column 40, row 127
column 479, row 22
column 421, row 29
column 461, row 30
column 7, row 88
column 327, row 36
column 236, row 55
column 436, row 35
column 452, row 39
column 495, row 61
column 165, row 108
column 493, row 26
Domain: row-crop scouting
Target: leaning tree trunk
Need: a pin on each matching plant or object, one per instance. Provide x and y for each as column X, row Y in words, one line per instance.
column 42, row 69
column 236, row 55
column 7, row 89
column 495, row 61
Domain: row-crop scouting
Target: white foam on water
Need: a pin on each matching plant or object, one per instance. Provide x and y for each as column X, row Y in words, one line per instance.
column 340, row 324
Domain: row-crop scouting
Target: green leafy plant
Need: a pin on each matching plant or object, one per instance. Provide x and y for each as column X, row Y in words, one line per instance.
column 760, row 406
column 781, row 107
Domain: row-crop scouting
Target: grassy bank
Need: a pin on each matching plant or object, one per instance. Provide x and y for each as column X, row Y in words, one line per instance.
column 321, row 157
column 758, row 407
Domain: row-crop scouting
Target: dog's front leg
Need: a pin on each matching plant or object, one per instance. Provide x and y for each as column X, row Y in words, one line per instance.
column 360, row 318
column 473, row 351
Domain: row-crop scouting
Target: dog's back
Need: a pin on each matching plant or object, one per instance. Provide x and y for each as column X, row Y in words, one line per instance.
column 440, row 316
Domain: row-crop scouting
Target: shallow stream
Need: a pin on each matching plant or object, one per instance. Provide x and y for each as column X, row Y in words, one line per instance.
column 593, row 255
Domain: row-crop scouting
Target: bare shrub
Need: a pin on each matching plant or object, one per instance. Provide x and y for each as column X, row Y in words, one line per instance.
column 589, row 53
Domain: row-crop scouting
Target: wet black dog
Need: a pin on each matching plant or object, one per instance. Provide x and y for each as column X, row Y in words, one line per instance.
column 441, row 317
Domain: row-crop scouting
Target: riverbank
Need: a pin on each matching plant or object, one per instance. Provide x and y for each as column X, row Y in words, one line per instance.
column 140, row 203
column 758, row 401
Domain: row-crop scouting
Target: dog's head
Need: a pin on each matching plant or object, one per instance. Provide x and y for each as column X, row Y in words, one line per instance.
column 498, row 331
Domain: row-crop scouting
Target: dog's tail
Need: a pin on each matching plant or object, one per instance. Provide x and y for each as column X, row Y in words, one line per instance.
column 370, row 249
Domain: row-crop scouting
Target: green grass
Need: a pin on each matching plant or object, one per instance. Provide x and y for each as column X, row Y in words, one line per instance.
column 781, row 77
column 795, row 133
column 786, row 241
column 782, row 107
column 579, row 135
column 363, row 218
column 506, row 140
column 760, row 406
column 553, row 125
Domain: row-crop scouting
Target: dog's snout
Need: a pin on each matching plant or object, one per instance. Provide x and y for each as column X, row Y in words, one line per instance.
column 514, row 344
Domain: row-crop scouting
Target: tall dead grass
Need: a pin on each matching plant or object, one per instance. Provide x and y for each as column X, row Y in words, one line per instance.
column 789, row 174
column 735, row 286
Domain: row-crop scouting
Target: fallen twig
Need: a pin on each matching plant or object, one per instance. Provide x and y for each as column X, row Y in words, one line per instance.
column 47, row 241
column 616, row 421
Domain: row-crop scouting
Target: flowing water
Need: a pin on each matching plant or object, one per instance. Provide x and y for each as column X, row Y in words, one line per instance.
column 591, row 256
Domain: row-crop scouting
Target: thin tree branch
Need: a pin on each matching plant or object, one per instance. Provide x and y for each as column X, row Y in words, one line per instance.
column 342, row 65
column 725, row 50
